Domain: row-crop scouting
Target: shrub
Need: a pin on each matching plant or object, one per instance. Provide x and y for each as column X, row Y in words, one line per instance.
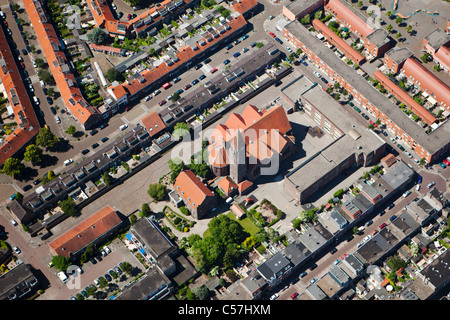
column 177, row 220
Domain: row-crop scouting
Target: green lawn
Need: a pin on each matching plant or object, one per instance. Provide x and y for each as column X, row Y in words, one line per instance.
column 246, row 223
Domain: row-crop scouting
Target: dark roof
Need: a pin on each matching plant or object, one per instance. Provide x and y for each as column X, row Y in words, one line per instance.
column 151, row 237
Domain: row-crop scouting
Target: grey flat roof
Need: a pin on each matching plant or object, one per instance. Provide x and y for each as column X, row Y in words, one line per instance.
column 438, row 272
column 398, row 174
column 430, row 142
column 437, row 38
column 399, row 55
column 152, row 237
column 379, row 37
column 151, row 284
column 299, row 6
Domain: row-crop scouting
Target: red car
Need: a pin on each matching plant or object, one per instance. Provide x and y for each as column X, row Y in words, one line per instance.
column 343, row 256
column 295, row 295
column 446, row 162
column 272, row 34
column 213, row 70
column 382, row 226
column 162, row 102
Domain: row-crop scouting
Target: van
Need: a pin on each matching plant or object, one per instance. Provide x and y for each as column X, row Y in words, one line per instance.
column 123, row 127
column 62, row 276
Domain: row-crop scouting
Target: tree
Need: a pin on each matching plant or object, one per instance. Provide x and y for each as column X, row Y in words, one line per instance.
column 39, row 62
column 97, row 36
column 409, row 28
column 175, row 166
column 71, row 130
column 145, row 210
column 126, row 267
column 33, row 153
column 202, row 292
column 157, row 191
column 175, row 97
column 45, row 138
column 389, row 13
column 425, row 58
column 12, row 167
column 180, row 129
column 318, row 15
column 398, row 20
column 60, row 262
column 68, row 206
column 360, row 4
column 107, row 179
column 389, row 27
column 398, row 35
column 306, row 19
column 46, row 76
column 113, row 75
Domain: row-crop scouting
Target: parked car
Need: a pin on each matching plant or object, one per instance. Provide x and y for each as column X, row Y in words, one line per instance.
column 123, row 127
column 207, row 60
column 36, row 182
column 67, row 162
column 163, row 102
column 381, row 213
column 104, row 139
column 27, row 187
column 313, row 281
column 194, row 82
column 442, row 164
column 156, row 92
column 390, row 206
column 108, row 277
column 274, row 296
column 202, row 77
column 186, row 87
column 103, row 126
column 432, row 183
column 226, row 62
column 245, row 50
column 107, row 249
column 229, row 46
column 393, row 218
column 53, row 110
column 180, row 91
column 236, row 54
column 198, row 66
column 49, row 100
column 213, row 70
column 13, row 222
column 93, row 132
column 85, row 151
column 57, row 119
column 368, row 223
column 272, row 34
column 95, row 145
column 278, row 40
column 294, row 295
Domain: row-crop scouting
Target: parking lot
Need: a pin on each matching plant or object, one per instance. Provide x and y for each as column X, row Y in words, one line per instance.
column 119, row 253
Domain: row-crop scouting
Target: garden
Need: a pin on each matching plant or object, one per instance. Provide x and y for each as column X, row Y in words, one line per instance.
column 177, row 221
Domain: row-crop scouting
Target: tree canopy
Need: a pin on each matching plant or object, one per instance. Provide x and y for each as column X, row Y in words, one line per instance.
column 68, row 206
column 221, row 247
column 97, row 36
column 33, row 153
column 61, row 263
column 12, row 167
column 113, row 75
column 46, row 138
column 157, row 191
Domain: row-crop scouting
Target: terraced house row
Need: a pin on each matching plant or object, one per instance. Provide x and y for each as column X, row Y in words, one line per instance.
column 196, row 48
column 28, row 125
column 86, row 114
column 427, row 145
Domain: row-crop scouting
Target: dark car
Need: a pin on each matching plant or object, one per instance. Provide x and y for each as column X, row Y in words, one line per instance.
column 195, row 82
column 180, row 91
column 103, row 126
column 207, row 60
column 334, row 250
column 120, row 15
column 49, row 100
column 53, row 110
column 93, row 132
column 27, row 187
column 237, row 54
column 198, row 66
column 95, row 145
column 108, row 277
column 187, row 86
column 177, row 79
column 85, row 151
column 390, row 206
column 162, row 102
column 226, row 62
column 392, row 218
column 381, row 213
column 36, row 182
column 229, row 46
column 104, row 139
column 202, row 77
column 24, row 51
column 303, row 274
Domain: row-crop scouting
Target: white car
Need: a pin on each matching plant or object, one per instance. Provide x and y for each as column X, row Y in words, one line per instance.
column 317, row 74
column 58, row 120
column 108, row 250
column 273, row 297
column 148, row 97
column 68, row 161
column 418, row 187
column 16, row 250
column 14, row 223
column 123, row 127
column 114, row 6
column 156, row 92
column 42, row 83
